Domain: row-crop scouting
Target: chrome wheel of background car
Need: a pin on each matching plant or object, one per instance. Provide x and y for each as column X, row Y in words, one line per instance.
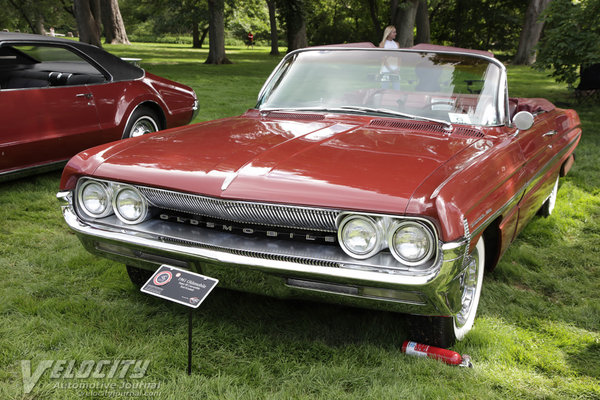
column 471, row 291
column 142, row 121
column 142, row 126
column 550, row 202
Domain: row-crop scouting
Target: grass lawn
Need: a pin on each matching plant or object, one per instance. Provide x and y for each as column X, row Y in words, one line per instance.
column 537, row 333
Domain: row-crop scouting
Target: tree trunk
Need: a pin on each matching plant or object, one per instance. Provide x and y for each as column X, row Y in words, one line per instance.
column 405, row 22
column 216, row 33
column 203, row 37
column 532, row 29
column 196, row 34
column 87, row 15
column 393, row 11
column 273, row 22
column 423, row 27
column 39, row 25
column 459, row 21
column 373, row 12
column 296, row 24
column 114, row 28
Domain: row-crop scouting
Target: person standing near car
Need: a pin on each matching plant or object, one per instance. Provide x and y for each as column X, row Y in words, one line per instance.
column 388, row 42
column 390, row 77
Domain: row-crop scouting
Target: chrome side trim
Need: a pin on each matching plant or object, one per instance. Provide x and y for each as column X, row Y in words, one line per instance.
column 523, row 189
column 38, row 169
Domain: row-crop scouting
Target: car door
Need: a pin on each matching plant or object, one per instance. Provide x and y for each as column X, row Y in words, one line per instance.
column 537, row 146
column 43, row 124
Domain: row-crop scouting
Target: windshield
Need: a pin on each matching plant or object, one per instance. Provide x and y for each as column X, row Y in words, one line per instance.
column 455, row 88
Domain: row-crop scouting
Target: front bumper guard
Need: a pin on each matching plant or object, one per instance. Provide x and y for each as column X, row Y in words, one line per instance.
column 436, row 292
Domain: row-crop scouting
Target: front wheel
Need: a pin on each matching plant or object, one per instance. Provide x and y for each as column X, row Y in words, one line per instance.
column 138, row 276
column 471, row 292
column 444, row 331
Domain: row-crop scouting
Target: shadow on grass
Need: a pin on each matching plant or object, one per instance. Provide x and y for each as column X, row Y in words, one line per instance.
column 297, row 321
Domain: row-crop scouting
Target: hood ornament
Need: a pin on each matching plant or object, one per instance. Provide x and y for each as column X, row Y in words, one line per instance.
column 228, row 181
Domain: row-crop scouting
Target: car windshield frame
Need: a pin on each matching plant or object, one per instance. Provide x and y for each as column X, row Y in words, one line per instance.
column 445, row 103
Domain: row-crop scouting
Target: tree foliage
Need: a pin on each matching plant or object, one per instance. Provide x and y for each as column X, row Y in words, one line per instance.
column 487, row 25
column 571, row 39
column 36, row 16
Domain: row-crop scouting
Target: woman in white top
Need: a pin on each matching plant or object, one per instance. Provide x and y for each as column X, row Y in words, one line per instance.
column 389, row 34
column 389, row 71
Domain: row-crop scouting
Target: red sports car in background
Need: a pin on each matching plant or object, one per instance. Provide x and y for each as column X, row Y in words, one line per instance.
column 380, row 178
column 58, row 97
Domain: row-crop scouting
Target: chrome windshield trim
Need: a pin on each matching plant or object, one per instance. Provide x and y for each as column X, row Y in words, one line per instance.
column 501, row 98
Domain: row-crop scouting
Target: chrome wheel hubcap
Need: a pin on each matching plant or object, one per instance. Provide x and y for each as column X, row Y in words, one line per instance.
column 469, row 285
column 143, row 126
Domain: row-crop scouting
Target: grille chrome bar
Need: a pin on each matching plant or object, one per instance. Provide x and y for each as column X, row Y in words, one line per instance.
column 231, row 210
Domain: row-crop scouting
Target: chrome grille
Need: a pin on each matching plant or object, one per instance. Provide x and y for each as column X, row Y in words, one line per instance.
column 254, row 213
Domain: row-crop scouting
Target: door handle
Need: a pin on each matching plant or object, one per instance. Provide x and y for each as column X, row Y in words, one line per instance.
column 550, row 133
column 86, row 95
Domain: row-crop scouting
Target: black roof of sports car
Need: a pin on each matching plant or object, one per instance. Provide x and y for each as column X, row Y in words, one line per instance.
column 118, row 69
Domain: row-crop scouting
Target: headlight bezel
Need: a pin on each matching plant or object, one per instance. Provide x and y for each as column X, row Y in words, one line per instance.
column 395, row 227
column 81, row 202
column 112, row 190
column 118, row 191
column 389, row 225
column 378, row 233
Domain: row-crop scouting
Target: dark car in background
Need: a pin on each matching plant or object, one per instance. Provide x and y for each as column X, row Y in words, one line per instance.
column 59, row 96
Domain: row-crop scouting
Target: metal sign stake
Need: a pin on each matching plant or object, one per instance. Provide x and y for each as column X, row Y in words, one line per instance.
column 183, row 287
column 189, row 369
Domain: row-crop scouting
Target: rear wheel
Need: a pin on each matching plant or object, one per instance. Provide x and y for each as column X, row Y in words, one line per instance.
column 444, row 331
column 550, row 202
column 142, row 121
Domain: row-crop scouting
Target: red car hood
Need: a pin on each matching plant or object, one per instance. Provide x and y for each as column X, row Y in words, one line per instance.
column 329, row 163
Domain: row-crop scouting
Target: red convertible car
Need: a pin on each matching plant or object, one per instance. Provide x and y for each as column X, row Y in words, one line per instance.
column 389, row 179
column 59, row 97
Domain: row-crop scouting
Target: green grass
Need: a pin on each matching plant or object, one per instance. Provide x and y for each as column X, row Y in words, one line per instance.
column 537, row 335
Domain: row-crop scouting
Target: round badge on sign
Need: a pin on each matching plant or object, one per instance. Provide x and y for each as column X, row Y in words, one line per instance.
column 163, row 278
column 194, row 300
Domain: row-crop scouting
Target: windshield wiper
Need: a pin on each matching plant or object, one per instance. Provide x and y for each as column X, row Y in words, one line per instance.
column 316, row 109
column 363, row 110
column 397, row 113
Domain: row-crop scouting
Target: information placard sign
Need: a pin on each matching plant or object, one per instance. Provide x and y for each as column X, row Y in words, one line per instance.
column 180, row 286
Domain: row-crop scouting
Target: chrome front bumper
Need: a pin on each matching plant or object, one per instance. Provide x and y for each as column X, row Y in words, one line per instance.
column 437, row 292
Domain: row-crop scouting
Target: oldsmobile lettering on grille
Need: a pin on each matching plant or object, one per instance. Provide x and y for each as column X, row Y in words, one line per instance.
column 318, row 237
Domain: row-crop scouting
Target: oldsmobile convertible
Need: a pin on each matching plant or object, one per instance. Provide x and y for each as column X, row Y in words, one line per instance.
column 389, row 188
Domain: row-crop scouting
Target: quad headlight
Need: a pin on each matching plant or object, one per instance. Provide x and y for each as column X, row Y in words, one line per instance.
column 129, row 205
column 411, row 241
column 94, row 199
column 360, row 236
column 98, row 199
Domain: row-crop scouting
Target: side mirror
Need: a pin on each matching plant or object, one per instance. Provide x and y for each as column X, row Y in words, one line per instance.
column 523, row 120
